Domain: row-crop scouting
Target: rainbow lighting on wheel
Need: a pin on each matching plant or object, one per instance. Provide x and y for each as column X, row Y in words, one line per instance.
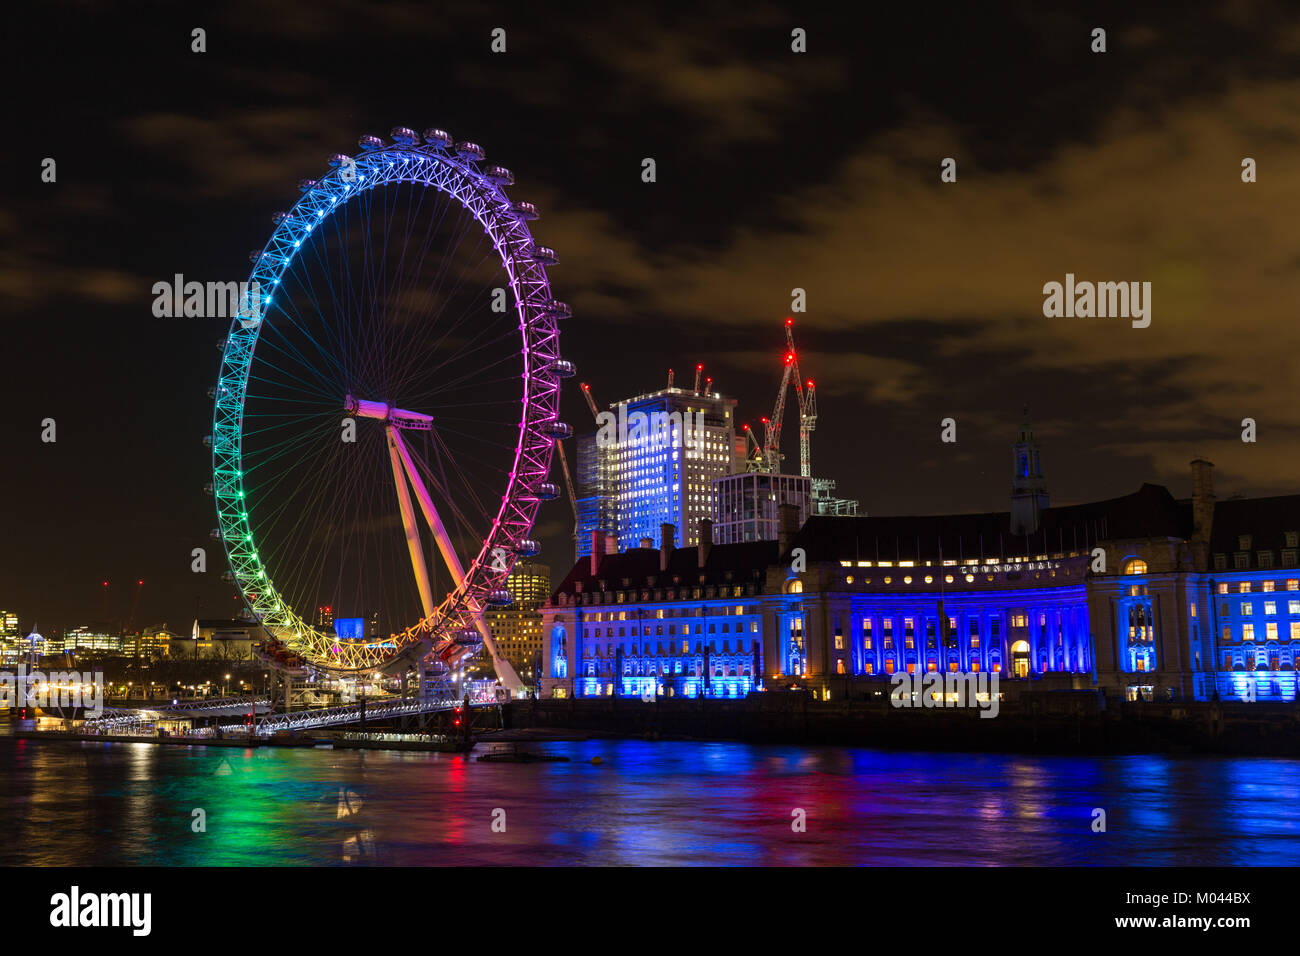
column 387, row 409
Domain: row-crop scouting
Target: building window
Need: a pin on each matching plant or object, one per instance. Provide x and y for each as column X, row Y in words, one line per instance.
column 1241, row 561
column 1244, row 587
column 1243, row 542
column 1265, row 559
column 1248, row 632
column 1220, row 562
column 1135, row 566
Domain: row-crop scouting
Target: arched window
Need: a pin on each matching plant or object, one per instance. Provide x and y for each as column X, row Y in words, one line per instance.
column 794, row 587
column 1135, row 566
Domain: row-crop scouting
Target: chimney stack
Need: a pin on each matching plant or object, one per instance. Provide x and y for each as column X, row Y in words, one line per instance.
column 788, row 526
column 706, row 540
column 667, row 533
column 597, row 549
column 647, row 543
column 1202, row 499
column 611, row 543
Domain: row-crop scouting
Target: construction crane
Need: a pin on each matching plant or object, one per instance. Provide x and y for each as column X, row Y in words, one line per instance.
column 807, row 400
column 568, row 484
column 807, row 405
column 564, row 462
column 772, row 426
column 591, row 402
column 698, row 370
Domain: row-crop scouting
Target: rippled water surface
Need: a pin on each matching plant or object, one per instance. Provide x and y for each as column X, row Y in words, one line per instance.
column 656, row 803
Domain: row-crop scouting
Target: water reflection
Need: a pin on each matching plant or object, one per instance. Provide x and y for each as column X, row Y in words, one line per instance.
column 646, row 804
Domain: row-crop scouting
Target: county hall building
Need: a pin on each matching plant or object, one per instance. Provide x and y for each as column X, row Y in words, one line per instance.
column 1143, row 596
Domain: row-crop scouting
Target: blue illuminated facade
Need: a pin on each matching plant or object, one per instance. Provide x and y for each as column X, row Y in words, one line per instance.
column 666, row 622
column 1143, row 597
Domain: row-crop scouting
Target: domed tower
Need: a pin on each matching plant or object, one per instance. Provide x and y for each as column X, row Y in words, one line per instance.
column 1028, row 487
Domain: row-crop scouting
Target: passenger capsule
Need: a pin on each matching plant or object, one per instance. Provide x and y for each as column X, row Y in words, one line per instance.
column 547, row 491
column 500, row 175
column 436, row 669
column 207, row 489
column 559, row 309
column 474, row 151
column 499, row 597
column 404, row 136
column 278, row 217
column 221, row 345
column 562, row 368
column 207, row 441
column 545, row 255
column 370, row 142
column 528, row 548
column 254, row 255
column 468, row 637
column 558, row 430
column 525, row 210
column 338, row 159
column 228, row 577
column 215, row 534
column 438, row 138
column 305, row 185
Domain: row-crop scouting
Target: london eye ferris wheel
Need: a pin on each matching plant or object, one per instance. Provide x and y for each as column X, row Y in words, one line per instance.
column 387, row 408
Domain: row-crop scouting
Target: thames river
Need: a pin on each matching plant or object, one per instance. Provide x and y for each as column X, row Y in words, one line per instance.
column 661, row 803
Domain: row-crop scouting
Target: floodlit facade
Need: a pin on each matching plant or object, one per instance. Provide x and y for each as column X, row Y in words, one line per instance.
column 664, row 472
column 1143, row 597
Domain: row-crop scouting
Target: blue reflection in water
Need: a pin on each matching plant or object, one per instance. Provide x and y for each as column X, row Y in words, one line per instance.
column 659, row 803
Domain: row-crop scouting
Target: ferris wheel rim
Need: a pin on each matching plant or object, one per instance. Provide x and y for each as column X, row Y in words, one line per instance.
column 479, row 188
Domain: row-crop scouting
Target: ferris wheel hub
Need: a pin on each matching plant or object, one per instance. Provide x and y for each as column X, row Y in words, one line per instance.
column 397, row 417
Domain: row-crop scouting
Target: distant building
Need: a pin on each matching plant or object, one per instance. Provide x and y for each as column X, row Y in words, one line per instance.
column 91, row 641
column 664, row 471
column 596, row 492
column 226, row 640
column 747, row 506
column 155, row 642
column 517, row 629
column 529, row 584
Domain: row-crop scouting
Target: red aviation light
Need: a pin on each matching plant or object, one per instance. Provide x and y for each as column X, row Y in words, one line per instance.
column 810, row 384
column 789, row 321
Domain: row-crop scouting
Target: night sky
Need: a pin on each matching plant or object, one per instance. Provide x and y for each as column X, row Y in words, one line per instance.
column 775, row 170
